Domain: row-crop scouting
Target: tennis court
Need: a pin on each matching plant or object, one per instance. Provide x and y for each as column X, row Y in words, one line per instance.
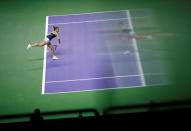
column 89, row 58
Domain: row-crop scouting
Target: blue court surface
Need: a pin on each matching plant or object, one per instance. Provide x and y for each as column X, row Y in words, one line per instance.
column 94, row 54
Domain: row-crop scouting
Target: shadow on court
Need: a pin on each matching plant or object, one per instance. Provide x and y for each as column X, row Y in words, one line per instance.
column 35, row 69
column 37, row 59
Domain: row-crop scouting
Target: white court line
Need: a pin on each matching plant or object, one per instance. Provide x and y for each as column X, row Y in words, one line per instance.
column 88, row 21
column 99, row 12
column 102, row 89
column 93, row 21
column 95, row 90
column 44, row 63
column 90, row 13
column 95, row 78
column 136, row 50
column 99, row 78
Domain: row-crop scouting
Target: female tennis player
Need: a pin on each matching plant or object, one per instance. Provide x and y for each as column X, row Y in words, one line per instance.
column 132, row 34
column 47, row 40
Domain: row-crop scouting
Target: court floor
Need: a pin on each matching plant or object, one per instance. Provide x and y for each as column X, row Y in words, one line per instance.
column 88, row 58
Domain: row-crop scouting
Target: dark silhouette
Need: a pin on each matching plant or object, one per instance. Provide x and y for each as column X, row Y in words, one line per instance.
column 36, row 118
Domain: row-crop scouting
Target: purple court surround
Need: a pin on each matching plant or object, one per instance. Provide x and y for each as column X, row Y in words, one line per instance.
column 88, row 58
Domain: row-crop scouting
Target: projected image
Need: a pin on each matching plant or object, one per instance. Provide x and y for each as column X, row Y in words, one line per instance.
column 97, row 51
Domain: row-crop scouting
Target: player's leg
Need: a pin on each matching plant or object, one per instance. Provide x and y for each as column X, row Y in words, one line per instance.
column 52, row 51
column 141, row 36
column 162, row 34
column 150, row 36
column 38, row 44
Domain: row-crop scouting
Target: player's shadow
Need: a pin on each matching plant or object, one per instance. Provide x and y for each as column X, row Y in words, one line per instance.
column 63, row 52
column 35, row 69
column 60, row 53
column 58, row 63
column 37, row 59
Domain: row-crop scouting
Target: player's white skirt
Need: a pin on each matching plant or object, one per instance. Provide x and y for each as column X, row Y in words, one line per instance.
column 47, row 40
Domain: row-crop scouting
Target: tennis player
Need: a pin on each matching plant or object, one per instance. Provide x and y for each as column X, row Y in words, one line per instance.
column 47, row 41
column 132, row 33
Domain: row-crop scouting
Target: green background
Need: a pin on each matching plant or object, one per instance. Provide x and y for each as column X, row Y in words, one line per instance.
column 21, row 70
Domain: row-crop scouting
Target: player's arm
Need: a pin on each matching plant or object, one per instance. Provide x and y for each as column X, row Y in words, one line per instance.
column 58, row 37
